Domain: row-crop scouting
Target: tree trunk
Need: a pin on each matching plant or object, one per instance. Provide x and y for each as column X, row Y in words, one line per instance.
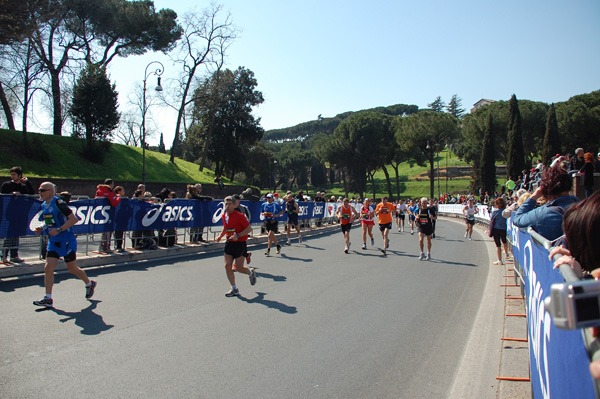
column 431, row 178
column 56, row 102
column 389, row 183
column 7, row 110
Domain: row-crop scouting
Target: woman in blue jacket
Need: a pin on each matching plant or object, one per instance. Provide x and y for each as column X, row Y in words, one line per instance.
column 547, row 220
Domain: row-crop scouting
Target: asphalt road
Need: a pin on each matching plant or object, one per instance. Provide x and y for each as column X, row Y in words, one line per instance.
column 318, row 324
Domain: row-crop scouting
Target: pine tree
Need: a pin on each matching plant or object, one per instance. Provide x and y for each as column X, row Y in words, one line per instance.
column 515, row 162
column 437, row 105
column 488, row 160
column 161, row 146
column 454, row 106
column 551, row 139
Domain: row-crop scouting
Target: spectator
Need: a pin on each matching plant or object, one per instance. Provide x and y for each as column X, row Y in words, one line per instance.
column 106, row 191
column 141, row 189
column 17, row 185
column 198, row 196
column 499, row 229
column 219, row 181
column 519, row 198
column 588, row 173
column 546, row 220
column 119, row 235
column 577, row 161
column 300, row 196
column 136, row 235
column 168, row 237
column 582, row 233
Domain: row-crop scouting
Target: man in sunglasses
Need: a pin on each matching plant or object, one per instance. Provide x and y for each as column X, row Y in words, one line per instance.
column 58, row 220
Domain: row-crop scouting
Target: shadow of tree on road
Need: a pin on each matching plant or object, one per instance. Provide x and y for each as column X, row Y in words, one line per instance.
column 260, row 299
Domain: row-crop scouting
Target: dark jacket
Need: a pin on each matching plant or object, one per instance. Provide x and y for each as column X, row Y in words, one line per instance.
column 10, row 187
column 588, row 174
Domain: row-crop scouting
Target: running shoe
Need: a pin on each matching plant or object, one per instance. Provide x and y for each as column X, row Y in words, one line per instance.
column 268, row 251
column 466, row 234
column 288, row 242
column 232, row 292
column 89, row 290
column 372, row 242
column 428, row 256
column 403, row 229
column 399, row 230
column 346, row 249
column 16, row 259
column 470, row 239
column 248, row 258
column 252, row 276
column 383, row 251
column 412, row 232
column 45, row 301
column 364, row 246
column 421, row 256
column 278, row 248
column 498, row 262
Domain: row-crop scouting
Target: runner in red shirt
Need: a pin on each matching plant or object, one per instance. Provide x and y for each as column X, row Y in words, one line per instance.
column 346, row 214
column 236, row 227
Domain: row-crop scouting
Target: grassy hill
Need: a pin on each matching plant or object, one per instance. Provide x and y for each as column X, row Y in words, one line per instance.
column 60, row 157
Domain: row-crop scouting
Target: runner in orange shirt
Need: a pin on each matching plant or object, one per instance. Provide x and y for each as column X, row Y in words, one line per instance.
column 384, row 212
column 346, row 214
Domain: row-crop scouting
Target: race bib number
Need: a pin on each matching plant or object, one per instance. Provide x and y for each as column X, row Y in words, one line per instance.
column 345, row 216
column 49, row 220
column 268, row 214
column 229, row 232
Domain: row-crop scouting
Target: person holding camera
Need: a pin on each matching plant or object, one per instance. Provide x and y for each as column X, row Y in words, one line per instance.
column 17, row 185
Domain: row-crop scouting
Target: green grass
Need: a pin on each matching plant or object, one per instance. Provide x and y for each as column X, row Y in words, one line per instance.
column 60, row 157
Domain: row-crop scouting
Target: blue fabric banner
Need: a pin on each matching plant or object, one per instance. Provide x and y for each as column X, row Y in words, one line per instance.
column 19, row 216
column 559, row 364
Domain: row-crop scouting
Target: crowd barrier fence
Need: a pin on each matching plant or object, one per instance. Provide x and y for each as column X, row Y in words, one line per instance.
column 558, row 359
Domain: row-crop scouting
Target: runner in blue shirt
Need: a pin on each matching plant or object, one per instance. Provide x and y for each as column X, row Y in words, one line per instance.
column 271, row 211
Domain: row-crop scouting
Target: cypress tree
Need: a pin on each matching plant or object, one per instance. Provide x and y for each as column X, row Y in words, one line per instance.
column 488, row 160
column 161, row 145
column 515, row 162
column 551, row 139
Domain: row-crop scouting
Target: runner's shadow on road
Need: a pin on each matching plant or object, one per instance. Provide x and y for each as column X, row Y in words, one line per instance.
column 284, row 256
column 260, row 299
column 311, row 247
column 90, row 322
column 271, row 276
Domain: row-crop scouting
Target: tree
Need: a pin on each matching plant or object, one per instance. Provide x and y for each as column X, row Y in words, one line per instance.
column 515, row 161
column 426, row 132
column 15, row 23
column 229, row 117
column 579, row 122
column 67, row 32
column 488, row 160
column 161, row 145
column 551, row 139
column 95, row 103
column 204, row 42
column 454, row 107
column 437, row 105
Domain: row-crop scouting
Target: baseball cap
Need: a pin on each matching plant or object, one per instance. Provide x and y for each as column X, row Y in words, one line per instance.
column 269, row 195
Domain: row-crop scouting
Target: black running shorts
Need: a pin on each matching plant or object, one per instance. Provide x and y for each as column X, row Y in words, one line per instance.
column 236, row 249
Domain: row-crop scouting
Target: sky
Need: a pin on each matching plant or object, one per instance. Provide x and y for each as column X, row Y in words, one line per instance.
column 315, row 58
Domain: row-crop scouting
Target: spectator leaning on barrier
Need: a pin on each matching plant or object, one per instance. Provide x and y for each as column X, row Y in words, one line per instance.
column 582, row 232
column 577, row 161
column 17, row 185
column 588, row 173
column 546, row 220
column 106, row 191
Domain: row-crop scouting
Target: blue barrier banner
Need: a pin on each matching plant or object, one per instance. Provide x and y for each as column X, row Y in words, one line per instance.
column 559, row 364
column 19, row 216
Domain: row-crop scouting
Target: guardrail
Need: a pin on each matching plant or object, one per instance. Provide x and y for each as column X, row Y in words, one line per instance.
column 559, row 359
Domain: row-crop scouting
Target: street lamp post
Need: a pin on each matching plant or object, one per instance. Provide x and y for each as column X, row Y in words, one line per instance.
column 158, row 71
column 274, row 182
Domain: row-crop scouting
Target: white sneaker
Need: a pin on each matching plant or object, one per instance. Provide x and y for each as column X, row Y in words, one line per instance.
column 364, row 246
column 466, row 234
column 412, row 232
column 399, row 230
column 428, row 256
column 346, row 249
column 403, row 229
column 470, row 239
column 498, row 262
column 421, row 256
